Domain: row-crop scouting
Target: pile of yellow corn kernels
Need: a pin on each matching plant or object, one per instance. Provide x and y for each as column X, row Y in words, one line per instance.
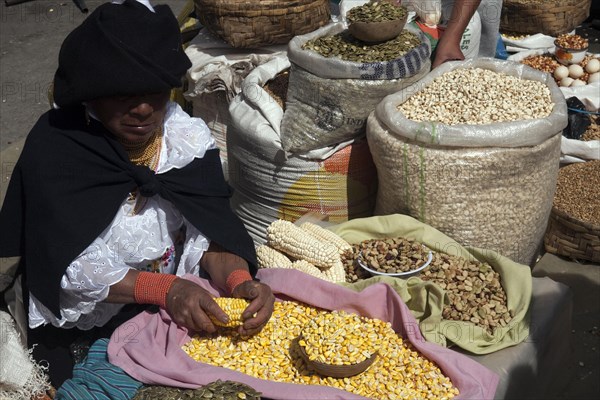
column 341, row 338
column 398, row 372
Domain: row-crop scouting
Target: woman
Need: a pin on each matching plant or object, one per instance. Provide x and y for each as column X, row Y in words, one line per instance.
column 118, row 193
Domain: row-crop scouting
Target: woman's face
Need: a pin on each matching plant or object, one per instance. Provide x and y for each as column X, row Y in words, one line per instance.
column 131, row 118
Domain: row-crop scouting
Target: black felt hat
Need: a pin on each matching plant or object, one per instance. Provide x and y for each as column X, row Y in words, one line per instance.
column 120, row 49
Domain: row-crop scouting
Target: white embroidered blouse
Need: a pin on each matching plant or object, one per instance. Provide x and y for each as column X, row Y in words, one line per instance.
column 143, row 241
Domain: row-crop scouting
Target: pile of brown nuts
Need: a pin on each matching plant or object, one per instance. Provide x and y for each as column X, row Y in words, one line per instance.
column 543, row 62
column 392, row 255
column 547, row 63
column 593, row 131
column 578, row 191
column 354, row 272
column 514, row 35
column 473, row 288
column 575, row 42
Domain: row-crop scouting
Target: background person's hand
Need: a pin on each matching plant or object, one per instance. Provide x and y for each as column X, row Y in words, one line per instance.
column 259, row 310
column 189, row 305
column 447, row 50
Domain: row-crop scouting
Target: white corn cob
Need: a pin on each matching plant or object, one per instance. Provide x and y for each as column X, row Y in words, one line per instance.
column 301, row 245
column 308, row 268
column 326, row 235
column 268, row 257
column 335, row 274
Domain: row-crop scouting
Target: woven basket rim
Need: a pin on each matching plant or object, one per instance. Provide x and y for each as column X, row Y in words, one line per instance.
column 263, row 3
column 552, row 17
column 262, row 7
column 563, row 239
column 244, row 24
column 547, row 3
column 585, row 224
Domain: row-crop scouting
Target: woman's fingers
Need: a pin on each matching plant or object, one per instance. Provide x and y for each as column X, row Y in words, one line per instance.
column 260, row 309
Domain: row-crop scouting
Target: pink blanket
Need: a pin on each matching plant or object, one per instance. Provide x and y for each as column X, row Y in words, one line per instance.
column 148, row 347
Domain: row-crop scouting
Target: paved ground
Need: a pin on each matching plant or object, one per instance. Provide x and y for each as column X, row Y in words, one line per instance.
column 584, row 280
column 30, row 36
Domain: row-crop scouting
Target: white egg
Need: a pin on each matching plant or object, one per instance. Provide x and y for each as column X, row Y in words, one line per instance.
column 595, row 77
column 575, row 71
column 592, row 66
column 566, row 82
column 561, row 72
column 578, row 82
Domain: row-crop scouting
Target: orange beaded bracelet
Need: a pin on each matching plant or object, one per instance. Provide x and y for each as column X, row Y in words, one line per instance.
column 236, row 278
column 152, row 288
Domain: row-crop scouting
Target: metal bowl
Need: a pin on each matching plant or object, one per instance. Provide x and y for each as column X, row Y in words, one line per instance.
column 337, row 371
column 568, row 56
column 406, row 274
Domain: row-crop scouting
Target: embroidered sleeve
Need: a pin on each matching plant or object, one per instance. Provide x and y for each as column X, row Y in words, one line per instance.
column 84, row 286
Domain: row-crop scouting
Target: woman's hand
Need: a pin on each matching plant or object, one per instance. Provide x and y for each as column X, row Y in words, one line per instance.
column 259, row 310
column 219, row 264
column 189, row 306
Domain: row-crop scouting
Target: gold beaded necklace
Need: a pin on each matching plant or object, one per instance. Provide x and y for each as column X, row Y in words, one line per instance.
column 147, row 154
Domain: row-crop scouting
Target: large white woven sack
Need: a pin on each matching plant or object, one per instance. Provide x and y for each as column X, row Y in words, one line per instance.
column 338, row 182
column 489, row 186
column 213, row 80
